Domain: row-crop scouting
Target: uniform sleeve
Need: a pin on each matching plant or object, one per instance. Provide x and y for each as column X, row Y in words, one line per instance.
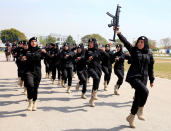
column 36, row 56
column 71, row 54
column 125, row 42
column 95, row 54
column 151, row 69
column 83, row 55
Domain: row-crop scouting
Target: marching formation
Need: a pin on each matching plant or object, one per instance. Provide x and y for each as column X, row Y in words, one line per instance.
column 88, row 62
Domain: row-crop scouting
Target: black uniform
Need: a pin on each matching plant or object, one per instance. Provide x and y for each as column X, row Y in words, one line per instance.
column 56, row 62
column 94, row 66
column 141, row 67
column 81, row 68
column 33, row 71
column 74, row 64
column 13, row 51
column 51, row 56
column 23, row 64
column 46, row 60
column 119, row 65
column 67, row 64
column 19, row 51
column 107, row 60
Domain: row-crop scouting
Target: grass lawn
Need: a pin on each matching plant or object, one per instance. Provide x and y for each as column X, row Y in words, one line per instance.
column 162, row 68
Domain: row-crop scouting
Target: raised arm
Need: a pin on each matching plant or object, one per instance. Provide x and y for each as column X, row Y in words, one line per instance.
column 126, row 43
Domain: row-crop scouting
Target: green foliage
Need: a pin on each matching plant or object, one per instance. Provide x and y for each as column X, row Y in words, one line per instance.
column 49, row 39
column 152, row 44
column 98, row 37
column 70, row 40
column 42, row 40
column 12, row 35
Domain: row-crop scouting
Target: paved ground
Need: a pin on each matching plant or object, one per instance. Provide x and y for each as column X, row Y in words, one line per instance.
column 59, row 111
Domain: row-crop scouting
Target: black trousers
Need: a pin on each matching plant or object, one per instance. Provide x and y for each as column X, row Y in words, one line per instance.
column 19, row 70
column 141, row 94
column 56, row 67
column 74, row 67
column 32, row 81
column 59, row 71
column 67, row 74
column 22, row 75
column 96, row 75
column 82, row 76
column 120, row 74
column 50, row 66
column 46, row 66
column 107, row 73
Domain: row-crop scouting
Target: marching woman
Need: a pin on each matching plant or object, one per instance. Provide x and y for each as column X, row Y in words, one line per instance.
column 67, row 66
column 32, row 74
column 93, row 59
column 19, row 49
column 107, row 60
column 24, row 63
column 81, row 70
column 46, row 61
column 119, row 57
column 141, row 68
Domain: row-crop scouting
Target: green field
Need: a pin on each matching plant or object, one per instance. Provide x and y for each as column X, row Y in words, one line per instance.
column 162, row 68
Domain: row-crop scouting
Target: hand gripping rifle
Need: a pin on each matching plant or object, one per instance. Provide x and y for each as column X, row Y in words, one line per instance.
column 115, row 21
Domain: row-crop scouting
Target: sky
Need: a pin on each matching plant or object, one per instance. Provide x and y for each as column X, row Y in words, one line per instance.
column 151, row 18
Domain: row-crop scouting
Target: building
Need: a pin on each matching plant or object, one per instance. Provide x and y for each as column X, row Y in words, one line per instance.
column 60, row 38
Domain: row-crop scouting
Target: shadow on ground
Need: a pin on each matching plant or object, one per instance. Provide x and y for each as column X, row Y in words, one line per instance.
column 119, row 128
column 12, row 113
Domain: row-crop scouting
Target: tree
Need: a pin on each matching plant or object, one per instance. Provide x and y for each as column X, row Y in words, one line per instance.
column 48, row 39
column 70, row 40
column 42, row 40
column 98, row 37
column 152, row 44
column 166, row 42
column 12, row 35
column 51, row 39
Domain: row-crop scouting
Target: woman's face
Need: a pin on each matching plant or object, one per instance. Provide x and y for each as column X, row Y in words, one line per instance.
column 50, row 46
column 25, row 47
column 20, row 45
column 66, row 47
column 91, row 45
column 79, row 50
column 140, row 44
column 118, row 49
column 33, row 43
column 107, row 48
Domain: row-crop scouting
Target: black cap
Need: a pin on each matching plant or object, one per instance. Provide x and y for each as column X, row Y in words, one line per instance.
column 56, row 44
column 118, row 45
column 66, row 44
column 52, row 44
column 33, row 38
column 142, row 38
column 92, row 40
column 25, row 43
column 107, row 45
column 20, row 42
